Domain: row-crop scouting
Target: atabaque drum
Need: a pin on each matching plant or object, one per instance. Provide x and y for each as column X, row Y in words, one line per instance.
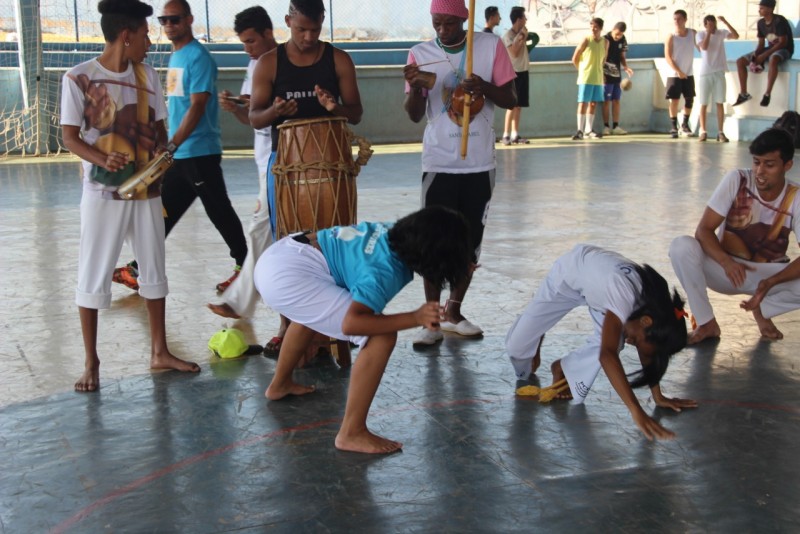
column 315, row 175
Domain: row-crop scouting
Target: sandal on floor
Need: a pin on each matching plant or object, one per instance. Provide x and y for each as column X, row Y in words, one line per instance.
column 273, row 346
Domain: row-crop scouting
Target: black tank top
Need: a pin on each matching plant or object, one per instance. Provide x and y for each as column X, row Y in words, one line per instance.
column 293, row 82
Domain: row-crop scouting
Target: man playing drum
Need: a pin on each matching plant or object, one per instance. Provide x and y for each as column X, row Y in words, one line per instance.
column 303, row 78
column 461, row 184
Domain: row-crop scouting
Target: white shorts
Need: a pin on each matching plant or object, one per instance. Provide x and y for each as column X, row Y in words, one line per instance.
column 105, row 225
column 711, row 88
column 294, row 280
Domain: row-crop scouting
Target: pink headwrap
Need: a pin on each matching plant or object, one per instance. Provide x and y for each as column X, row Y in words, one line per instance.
column 450, row 7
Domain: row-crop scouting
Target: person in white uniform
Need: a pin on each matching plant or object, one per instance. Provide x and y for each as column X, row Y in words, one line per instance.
column 254, row 29
column 740, row 244
column 628, row 303
column 337, row 282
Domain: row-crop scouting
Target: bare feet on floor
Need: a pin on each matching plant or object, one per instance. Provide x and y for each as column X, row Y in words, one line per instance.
column 366, row 442
column 558, row 375
column 767, row 327
column 277, row 392
column 710, row 330
column 223, row 310
column 89, row 380
column 168, row 361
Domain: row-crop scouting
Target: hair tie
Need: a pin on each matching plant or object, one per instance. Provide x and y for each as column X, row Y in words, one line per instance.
column 680, row 314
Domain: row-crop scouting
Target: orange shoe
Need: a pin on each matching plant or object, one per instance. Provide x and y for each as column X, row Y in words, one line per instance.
column 222, row 286
column 127, row 276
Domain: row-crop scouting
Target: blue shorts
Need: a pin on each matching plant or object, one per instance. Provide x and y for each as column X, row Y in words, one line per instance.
column 612, row 91
column 590, row 93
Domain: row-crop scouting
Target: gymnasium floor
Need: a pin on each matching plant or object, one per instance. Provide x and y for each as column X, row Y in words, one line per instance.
column 165, row 452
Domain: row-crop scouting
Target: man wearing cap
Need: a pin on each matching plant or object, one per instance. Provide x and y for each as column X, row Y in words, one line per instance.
column 448, row 180
column 514, row 41
column 775, row 44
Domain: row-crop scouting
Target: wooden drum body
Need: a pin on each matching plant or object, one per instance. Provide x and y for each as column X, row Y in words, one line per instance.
column 315, row 175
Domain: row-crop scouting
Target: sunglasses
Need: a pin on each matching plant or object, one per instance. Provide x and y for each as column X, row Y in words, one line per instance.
column 172, row 19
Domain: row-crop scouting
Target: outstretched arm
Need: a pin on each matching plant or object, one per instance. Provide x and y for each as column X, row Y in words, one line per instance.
column 361, row 320
column 609, row 360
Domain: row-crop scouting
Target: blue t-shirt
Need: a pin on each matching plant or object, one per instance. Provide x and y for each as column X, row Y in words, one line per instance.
column 361, row 261
column 192, row 70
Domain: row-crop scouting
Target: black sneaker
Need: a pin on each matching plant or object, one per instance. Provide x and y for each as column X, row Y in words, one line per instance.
column 742, row 98
column 578, row 136
column 686, row 131
column 765, row 101
column 506, row 140
column 673, row 132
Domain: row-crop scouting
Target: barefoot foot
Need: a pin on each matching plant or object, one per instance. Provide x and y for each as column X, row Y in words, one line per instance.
column 168, row 361
column 558, row 375
column 366, row 442
column 223, row 310
column 277, row 392
column 89, row 380
column 710, row 330
column 767, row 327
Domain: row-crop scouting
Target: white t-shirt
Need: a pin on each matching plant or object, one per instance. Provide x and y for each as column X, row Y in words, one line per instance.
column 441, row 143
column 713, row 58
column 520, row 62
column 262, row 143
column 605, row 279
column 683, row 52
column 103, row 104
column 749, row 218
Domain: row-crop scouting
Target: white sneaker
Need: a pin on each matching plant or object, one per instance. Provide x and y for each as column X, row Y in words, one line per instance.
column 619, row 131
column 607, row 130
column 464, row 328
column 427, row 337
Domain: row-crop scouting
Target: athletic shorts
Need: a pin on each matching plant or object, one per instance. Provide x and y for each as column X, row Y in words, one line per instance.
column 522, row 85
column 612, row 91
column 782, row 53
column 590, row 93
column 711, row 88
column 680, row 87
column 469, row 194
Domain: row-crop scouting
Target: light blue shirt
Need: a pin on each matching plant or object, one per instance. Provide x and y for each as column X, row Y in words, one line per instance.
column 361, row 261
column 192, row 70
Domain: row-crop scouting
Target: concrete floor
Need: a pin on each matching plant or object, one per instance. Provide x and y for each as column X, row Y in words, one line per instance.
column 165, row 452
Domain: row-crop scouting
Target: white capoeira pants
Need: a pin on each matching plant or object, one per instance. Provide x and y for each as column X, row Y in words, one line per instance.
column 242, row 295
column 105, row 225
column 697, row 273
column 552, row 301
column 294, row 280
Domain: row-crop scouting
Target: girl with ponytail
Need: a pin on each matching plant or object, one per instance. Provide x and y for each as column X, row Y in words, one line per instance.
column 628, row 303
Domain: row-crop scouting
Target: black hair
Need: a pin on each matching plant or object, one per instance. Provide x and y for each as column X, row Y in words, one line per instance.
column 621, row 26
column 313, row 9
column 187, row 9
column 434, row 242
column 255, row 17
column 667, row 333
column 490, row 12
column 771, row 140
column 118, row 15
column 681, row 12
column 598, row 21
column 709, row 18
column 517, row 12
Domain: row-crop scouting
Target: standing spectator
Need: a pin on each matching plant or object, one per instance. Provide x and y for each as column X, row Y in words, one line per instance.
column 462, row 184
column 615, row 60
column 514, row 40
column 775, row 44
column 254, row 29
column 588, row 58
column 492, row 15
column 712, row 68
column 679, row 53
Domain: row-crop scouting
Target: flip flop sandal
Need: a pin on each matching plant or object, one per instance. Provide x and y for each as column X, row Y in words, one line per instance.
column 273, row 346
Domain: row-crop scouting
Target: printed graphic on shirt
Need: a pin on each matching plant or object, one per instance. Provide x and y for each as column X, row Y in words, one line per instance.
column 347, row 233
column 453, row 98
column 110, row 107
column 175, row 82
